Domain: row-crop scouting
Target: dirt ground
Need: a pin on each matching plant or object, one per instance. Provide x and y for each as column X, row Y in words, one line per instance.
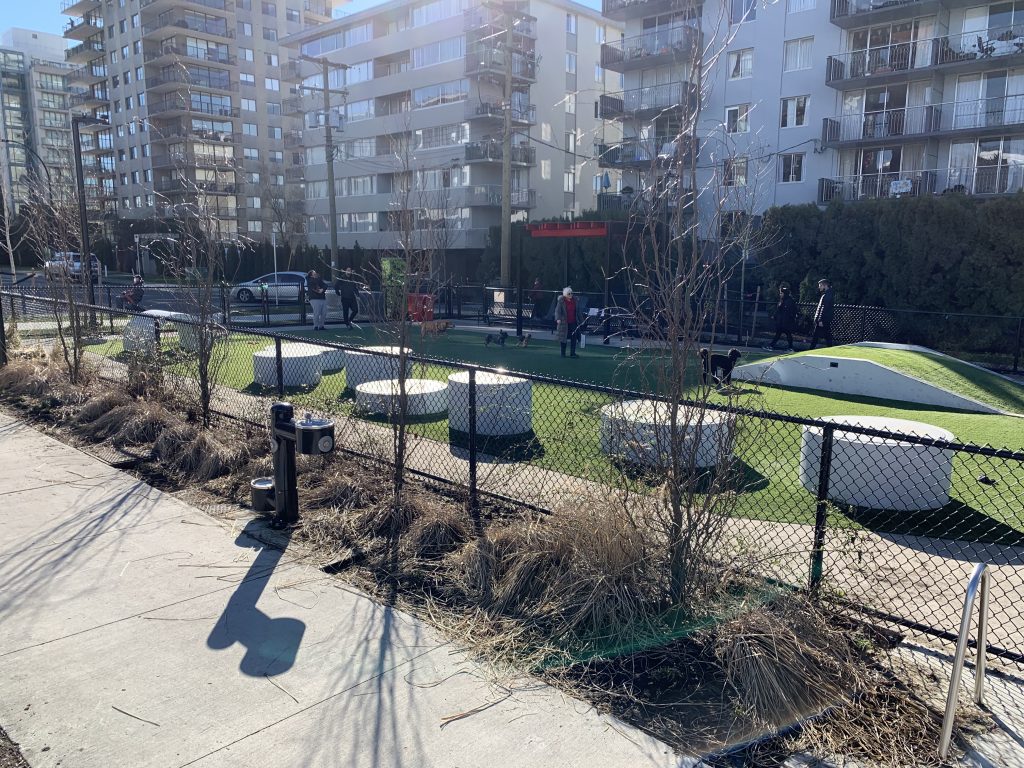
column 10, row 755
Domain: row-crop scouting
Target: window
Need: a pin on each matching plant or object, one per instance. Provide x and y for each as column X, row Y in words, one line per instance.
column 142, row 101
column 273, row 108
column 121, row 26
column 133, row 153
column 734, row 172
column 570, row 63
column 599, row 34
column 435, row 10
column 570, row 142
column 797, row 54
column 249, row 129
column 441, row 136
column 269, row 9
column 253, row 202
column 254, row 226
column 135, row 21
column 272, row 84
column 244, row 29
column 127, row 77
column 742, row 10
column 794, row 112
column 570, row 23
column 135, row 177
column 145, row 150
column 247, row 78
column 140, row 74
column 276, row 156
column 115, row 81
column 443, row 93
column 741, row 64
column 290, row 14
column 569, row 181
column 147, row 175
column 439, row 51
column 124, row 53
column 269, row 33
column 249, row 105
column 570, row 104
column 796, row 6
column 250, row 153
column 792, row 167
column 129, row 104
column 598, row 74
column 272, row 60
column 545, row 170
column 737, row 119
column 246, row 54
column 359, row 110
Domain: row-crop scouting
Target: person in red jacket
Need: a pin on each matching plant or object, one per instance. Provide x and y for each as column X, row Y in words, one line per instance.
column 567, row 321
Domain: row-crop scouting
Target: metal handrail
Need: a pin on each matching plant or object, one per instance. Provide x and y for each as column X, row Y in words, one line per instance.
column 979, row 579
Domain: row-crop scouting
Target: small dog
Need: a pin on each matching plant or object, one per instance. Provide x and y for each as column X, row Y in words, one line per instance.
column 500, row 338
column 524, row 341
column 434, row 327
column 719, row 367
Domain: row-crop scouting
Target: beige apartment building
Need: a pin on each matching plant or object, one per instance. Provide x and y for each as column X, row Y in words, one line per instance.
column 417, row 116
column 192, row 96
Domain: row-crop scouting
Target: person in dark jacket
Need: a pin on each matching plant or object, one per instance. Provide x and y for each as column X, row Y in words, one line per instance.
column 347, row 288
column 317, row 289
column 785, row 319
column 823, row 315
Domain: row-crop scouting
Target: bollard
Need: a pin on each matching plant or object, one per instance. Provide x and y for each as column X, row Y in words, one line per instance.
column 821, row 512
column 279, row 365
column 474, row 497
column 3, row 337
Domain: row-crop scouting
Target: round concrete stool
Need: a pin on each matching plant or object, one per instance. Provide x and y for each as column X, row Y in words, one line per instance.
column 880, row 473
column 301, row 365
column 639, row 431
column 334, row 359
column 423, row 397
column 504, row 404
column 361, row 367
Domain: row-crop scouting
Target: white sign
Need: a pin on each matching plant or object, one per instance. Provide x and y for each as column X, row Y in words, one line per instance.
column 901, row 187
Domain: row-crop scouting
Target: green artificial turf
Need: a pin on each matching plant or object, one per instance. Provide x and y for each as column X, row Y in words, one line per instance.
column 939, row 370
column 567, row 422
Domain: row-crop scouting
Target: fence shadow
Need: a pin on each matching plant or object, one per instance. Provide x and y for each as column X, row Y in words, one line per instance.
column 954, row 522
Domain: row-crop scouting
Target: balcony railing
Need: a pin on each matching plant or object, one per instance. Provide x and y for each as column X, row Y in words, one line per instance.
column 88, row 98
column 843, row 9
column 523, row 114
column 660, row 151
column 481, row 16
column 643, row 50
column 620, row 10
column 666, row 201
column 176, row 77
column 83, row 28
column 180, row 105
column 216, row 5
column 491, row 151
column 904, row 58
column 490, row 195
column 76, row 7
column 189, row 52
column 524, row 66
column 192, row 25
column 185, row 186
column 644, row 101
column 82, row 52
column 317, row 8
column 973, row 115
column 1002, row 179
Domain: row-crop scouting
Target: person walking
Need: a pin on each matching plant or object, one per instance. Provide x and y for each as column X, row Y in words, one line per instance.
column 785, row 319
column 347, row 288
column 823, row 315
column 537, row 298
column 566, row 321
column 317, row 289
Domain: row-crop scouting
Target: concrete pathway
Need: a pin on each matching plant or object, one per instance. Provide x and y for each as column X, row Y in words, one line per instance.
column 137, row 631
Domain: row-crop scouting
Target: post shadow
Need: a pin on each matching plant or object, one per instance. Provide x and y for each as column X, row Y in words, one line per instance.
column 271, row 643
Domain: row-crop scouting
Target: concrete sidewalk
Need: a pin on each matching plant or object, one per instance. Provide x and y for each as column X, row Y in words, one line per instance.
column 136, row 630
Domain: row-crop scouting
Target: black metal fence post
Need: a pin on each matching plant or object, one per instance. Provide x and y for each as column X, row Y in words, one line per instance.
column 224, row 305
column 474, row 496
column 302, row 304
column 3, row 337
column 1016, row 349
column 279, row 365
column 821, row 513
column 863, row 324
column 110, row 299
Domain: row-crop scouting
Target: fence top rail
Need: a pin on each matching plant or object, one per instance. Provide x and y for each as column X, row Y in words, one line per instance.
column 617, row 392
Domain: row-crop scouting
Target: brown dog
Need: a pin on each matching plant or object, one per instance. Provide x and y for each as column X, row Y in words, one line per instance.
column 434, row 327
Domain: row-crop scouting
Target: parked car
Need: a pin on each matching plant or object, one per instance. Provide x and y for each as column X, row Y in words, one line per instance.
column 68, row 264
column 283, row 286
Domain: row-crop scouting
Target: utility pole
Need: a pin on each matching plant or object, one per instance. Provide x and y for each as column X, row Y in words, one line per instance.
column 77, row 121
column 332, row 201
column 506, row 157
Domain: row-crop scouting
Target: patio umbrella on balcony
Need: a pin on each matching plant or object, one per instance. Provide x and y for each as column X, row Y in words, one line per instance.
column 606, row 181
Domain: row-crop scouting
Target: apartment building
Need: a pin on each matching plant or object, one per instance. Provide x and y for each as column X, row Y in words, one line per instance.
column 34, row 123
column 191, row 97
column 811, row 101
column 420, row 123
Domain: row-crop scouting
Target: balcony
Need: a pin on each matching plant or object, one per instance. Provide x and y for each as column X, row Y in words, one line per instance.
column 491, row 152
column 643, row 203
column 177, row 80
column 192, row 159
column 163, row 27
column 170, row 53
column 84, row 52
column 651, row 49
column 485, row 19
column 88, row 99
column 621, row 10
column 173, row 107
column 84, row 28
column 183, row 130
column 963, row 53
column 88, row 75
column 1004, row 179
column 525, row 114
column 491, row 61
column 189, row 187
column 850, row 14
column 640, row 103
column 657, row 152
column 78, row 7
column 319, row 9
column 154, row 6
column 489, row 195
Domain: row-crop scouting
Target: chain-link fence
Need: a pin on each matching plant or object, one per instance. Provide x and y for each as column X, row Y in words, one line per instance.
column 889, row 516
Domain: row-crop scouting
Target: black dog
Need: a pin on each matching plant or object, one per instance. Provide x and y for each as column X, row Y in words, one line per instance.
column 718, row 366
column 499, row 339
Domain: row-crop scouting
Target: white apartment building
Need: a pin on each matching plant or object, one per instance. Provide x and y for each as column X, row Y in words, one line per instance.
column 811, row 101
column 422, row 119
column 193, row 95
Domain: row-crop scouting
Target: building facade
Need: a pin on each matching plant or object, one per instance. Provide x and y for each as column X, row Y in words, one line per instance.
column 191, row 94
column 810, row 101
column 417, row 114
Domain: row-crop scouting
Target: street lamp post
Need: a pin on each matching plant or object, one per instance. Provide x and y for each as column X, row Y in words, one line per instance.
column 77, row 121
